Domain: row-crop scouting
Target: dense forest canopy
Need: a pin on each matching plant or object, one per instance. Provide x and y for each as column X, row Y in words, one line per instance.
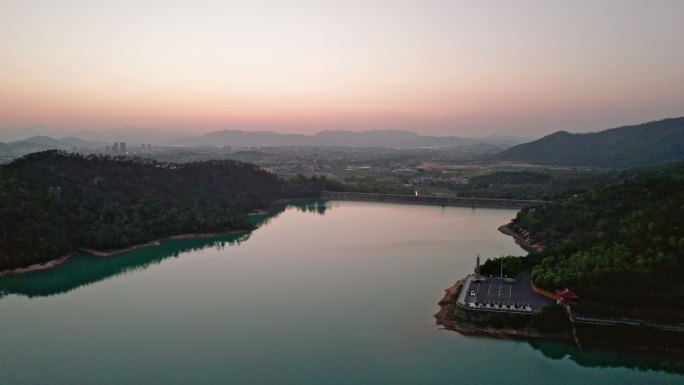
column 53, row 203
column 621, row 246
column 537, row 184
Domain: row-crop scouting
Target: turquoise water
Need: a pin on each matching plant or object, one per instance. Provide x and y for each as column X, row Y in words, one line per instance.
column 324, row 293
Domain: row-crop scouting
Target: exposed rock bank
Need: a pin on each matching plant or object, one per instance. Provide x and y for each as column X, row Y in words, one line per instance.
column 37, row 267
column 523, row 239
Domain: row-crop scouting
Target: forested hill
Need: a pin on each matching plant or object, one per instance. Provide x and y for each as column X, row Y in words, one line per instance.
column 646, row 144
column 619, row 248
column 53, row 203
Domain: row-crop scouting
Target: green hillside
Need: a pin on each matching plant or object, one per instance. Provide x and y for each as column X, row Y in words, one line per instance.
column 620, row 248
column 646, row 144
column 53, row 203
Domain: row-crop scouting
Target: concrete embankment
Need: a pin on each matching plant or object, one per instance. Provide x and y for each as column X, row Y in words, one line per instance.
column 431, row 200
column 451, row 316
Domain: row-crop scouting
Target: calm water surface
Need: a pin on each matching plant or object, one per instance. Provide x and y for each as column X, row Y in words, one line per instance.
column 327, row 293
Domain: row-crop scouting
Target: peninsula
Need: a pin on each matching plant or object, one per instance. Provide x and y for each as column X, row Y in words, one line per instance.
column 620, row 249
column 53, row 203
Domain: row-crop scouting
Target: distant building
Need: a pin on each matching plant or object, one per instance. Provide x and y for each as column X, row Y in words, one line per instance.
column 115, row 147
column 122, row 147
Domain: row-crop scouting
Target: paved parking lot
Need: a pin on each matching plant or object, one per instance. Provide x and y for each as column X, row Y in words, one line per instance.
column 506, row 293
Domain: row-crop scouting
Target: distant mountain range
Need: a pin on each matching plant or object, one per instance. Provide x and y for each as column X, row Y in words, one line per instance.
column 239, row 138
column 645, row 144
column 373, row 138
column 126, row 134
column 639, row 145
column 41, row 143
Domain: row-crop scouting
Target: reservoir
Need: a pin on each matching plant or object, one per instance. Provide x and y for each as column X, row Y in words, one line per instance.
column 321, row 293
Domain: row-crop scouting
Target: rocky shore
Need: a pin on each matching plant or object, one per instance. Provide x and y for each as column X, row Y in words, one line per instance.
column 523, row 239
column 37, row 267
column 113, row 252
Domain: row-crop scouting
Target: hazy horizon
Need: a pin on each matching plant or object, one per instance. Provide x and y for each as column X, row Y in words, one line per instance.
column 161, row 136
column 446, row 68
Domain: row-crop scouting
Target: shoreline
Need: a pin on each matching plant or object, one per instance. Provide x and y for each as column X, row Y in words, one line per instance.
column 157, row 242
column 113, row 252
column 258, row 212
column 154, row 243
column 520, row 239
column 37, row 267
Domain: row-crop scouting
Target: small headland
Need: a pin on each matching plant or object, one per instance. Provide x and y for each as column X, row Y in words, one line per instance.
column 56, row 203
column 273, row 209
column 523, row 239
column 500, row 307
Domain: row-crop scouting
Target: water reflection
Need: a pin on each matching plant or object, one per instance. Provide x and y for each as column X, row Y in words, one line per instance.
column 592, row 357
column 306, row 206
column 83, row 269
column 293, row 288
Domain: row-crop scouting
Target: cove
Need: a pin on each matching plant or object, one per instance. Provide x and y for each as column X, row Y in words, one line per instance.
column 321, row 293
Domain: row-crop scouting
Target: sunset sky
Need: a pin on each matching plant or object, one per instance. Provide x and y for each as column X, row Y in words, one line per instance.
column 464, row 68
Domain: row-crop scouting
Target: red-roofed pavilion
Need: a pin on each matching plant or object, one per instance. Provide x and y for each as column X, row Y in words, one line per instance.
column 567, row 296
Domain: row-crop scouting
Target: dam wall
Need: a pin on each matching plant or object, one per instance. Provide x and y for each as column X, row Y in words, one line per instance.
column 431, row 200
